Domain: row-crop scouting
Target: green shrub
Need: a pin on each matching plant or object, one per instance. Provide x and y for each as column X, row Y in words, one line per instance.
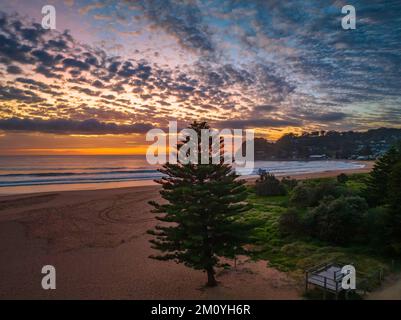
column 342, row 178
column 377, row 229
column 269, row 185
column 290, row 222
column 328, row 189
column 394, row 189
column 301, row 196
column 377, row 190
column 309, row 195
column 289, row 183
column 338, row 221
column 394, row 204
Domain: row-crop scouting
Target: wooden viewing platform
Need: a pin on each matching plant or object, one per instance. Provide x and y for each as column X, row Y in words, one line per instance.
column 326, row 276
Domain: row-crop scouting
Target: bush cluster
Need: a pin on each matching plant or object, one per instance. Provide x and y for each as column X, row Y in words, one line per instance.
column 326, row 211
column 331, row 212
column 268, row 185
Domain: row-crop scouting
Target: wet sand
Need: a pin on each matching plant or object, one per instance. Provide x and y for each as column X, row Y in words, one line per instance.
column 98, row 243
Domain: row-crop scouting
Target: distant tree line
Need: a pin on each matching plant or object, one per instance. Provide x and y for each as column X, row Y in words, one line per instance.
column 328, row 144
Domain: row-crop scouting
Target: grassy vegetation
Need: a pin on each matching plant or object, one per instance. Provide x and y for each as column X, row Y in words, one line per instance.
column 294, row 254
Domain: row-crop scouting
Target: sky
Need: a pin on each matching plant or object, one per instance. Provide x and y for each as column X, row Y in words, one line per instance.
column 112, row 70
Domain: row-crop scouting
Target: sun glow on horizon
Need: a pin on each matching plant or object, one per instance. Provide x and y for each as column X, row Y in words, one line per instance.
column 140, row 150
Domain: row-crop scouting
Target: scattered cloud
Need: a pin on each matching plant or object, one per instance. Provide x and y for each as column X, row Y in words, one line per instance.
column 63, row 126
column 265, row 64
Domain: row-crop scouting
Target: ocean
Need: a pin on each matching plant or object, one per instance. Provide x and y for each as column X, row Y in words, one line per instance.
column 22, row 174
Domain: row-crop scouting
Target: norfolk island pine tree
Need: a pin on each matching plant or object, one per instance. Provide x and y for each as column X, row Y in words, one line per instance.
column 201, row 219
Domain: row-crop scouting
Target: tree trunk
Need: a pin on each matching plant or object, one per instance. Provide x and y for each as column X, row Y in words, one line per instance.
column 211, row 281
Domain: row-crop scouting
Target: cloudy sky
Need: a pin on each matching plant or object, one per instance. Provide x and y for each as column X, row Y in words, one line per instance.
column 114, row 69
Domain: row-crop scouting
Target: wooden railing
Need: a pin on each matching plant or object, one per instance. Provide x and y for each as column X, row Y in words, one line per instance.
column 365, row 281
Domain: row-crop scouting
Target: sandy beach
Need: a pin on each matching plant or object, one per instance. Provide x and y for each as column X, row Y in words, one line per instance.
column 97, row 241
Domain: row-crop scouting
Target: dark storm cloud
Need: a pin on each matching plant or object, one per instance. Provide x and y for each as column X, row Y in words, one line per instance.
column 258, row 79
column 126, row 70
column 91, row 59
column 8, row 93
column 58, row 44
column 259, row 123
column 265, row 108
column 182, row 19
column 113, row 66
column 39, row 86
column 98, row 84
column 87, row 91
column 73, row 63
column 45, row 58
column 33, row 82
column 326, row 117
column 63, row 126
column 47, row 72
column 12, row 50
column 16, row 40
column 14, row 69
column 369, row 56
column 32, row 34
